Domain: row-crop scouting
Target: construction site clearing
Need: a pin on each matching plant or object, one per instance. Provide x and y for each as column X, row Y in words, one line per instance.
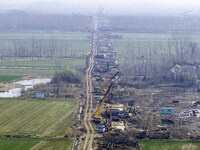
column 125, row 113
column 117, row 111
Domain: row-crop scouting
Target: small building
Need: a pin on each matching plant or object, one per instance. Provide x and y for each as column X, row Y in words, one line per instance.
column 184, row 72
column 119, row 107
column 166, row 110
column 40, row 95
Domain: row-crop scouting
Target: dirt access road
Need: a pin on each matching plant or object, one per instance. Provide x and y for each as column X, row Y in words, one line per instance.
column 89, row 136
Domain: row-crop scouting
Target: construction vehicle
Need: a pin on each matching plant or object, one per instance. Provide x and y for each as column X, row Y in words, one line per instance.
column 101, row 128
column 97, row 116
column 134, row 110
column 107, row 82
column 124, row 114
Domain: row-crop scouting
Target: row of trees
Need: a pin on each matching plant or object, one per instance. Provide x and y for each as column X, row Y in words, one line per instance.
column 25, row 21
column 15, row 21
column 31, row 48
column 158, row 60
column 66, row 77
column 155, row 24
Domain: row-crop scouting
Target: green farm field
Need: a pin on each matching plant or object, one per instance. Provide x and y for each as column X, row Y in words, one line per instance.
column 8, row 78
column 34, row 144
column 65, row 63
column 68, row 63
column 36, row 117
column 43, row 35
column 18, row 144
column 27, row 72
column 151, row 39
column 38, row 67
column 62, row 144
column 169, row 145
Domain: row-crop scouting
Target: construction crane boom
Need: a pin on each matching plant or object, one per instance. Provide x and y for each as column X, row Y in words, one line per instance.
column 97, row 114
column 107, row 82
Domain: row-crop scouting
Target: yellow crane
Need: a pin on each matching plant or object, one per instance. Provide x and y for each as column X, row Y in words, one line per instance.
column 97, row 116
column 107, row 82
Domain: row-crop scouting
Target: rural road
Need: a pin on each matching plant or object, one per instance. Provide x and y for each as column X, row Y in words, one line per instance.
column 88, row 140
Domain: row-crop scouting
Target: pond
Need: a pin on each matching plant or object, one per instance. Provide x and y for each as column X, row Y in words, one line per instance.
column 25, row 85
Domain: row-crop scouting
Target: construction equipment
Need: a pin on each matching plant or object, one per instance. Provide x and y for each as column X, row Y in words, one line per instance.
column 107, row 82
column 134, row 110
column 97, row 116
column 101, row 128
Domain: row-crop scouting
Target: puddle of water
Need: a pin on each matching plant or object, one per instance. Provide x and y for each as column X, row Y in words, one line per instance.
column 165, row 125
column 33, row 82
column 25, row 84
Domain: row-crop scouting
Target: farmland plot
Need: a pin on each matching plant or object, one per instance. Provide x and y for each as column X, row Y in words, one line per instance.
column 169, row 145
column 17, row 144
column 40, row 67
column 34, row 144
column 54, row 144
column 38, row 117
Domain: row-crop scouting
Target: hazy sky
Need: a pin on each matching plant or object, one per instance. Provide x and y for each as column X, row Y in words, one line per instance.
column 113, row 2
column 110, row 6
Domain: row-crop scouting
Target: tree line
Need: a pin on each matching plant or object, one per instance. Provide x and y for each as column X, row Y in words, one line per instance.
column 152, row 24
column 38, row 48
column 158, row 60
column 19, row 20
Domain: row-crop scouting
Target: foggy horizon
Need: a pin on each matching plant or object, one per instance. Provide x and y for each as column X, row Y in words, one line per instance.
column 89, row 7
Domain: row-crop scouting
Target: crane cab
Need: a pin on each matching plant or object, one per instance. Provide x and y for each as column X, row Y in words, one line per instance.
column 97, row 119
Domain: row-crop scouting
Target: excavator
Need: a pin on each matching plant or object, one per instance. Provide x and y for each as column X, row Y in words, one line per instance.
column 97, row 116
column 107, row 82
